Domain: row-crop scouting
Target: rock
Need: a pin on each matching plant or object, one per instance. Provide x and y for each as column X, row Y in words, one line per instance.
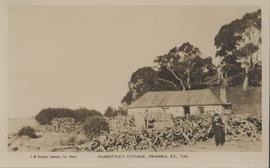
column 15, row 149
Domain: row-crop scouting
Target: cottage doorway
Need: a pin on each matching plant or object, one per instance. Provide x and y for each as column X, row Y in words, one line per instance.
column 187, row 110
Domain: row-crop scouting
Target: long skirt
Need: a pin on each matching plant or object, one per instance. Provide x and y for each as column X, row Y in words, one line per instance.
column 219, row 135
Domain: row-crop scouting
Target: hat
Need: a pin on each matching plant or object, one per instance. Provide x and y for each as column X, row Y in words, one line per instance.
column 216, row 114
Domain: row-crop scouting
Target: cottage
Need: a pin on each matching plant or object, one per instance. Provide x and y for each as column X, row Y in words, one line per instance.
column 160, row 104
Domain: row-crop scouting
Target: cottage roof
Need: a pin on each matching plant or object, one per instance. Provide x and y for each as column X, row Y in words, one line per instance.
column 177, row 98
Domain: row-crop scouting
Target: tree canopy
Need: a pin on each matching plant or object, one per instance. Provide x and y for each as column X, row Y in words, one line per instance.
column 184, row 67
column 238, row 44
column 180, row 69
column 142, row 81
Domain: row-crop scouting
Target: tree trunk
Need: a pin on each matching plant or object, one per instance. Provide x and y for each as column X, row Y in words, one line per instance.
column 188, row 77
column 169, row 82
column 219, row 75
column 181, row 85
column 188, row 83
column 225, row 79
column 177, row 78
column 245, row 83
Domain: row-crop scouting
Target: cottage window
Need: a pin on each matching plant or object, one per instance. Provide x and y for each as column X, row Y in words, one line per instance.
column 227, row 106
column 201, row 109
column 150, row 124
column 186, row 110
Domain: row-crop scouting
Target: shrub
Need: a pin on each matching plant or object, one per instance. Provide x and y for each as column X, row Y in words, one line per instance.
column 68, row 140
column 81, row 139
column 95, row 125
column 28, row 131
column 110, row 112
column 81, row 114
column 45, row 116
column 121, row 111
column 71, row 139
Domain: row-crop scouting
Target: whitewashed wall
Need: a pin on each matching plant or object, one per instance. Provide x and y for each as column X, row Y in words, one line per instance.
column 178, row 111
column 139, row 114
column 175, row 111
column 158, row 113
column 207, row 109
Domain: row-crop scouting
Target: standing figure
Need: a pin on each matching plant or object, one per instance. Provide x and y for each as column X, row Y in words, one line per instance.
column 217, row 127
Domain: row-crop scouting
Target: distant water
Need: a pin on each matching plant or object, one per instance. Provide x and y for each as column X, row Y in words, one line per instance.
column 15, row 124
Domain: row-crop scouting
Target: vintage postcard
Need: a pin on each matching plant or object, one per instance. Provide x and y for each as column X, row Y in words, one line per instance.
column 134, row 83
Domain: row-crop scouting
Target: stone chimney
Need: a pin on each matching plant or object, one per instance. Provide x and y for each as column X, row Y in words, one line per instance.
column 223, row 94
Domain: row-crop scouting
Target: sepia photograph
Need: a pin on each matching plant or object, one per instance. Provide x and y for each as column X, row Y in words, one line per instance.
column 133, row 81
column 140, row 78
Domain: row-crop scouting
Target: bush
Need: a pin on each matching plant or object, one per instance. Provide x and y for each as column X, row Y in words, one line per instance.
column 110, row 112
column 95, row 125
column 68, row 140
column 27, row 131
column 121, row 111
column 81, row 139
column 73, row 139
column 45, row 116
column 81, row 114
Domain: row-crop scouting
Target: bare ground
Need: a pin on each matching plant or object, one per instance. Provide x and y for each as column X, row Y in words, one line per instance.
column 209, row 146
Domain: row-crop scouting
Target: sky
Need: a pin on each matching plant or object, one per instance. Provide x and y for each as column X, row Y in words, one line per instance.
column 83, row 56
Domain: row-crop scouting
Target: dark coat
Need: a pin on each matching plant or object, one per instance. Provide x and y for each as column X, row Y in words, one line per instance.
column 218, row 130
